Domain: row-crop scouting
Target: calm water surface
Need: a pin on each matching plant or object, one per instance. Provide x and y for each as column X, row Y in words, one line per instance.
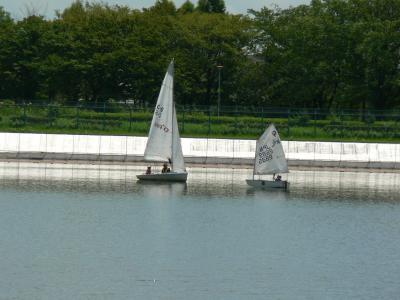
column 93, row 232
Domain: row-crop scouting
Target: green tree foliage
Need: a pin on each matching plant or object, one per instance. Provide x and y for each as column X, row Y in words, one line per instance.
column 164, row 7
column 6, row 51
column 29, row 50
column 206, row 41
column 4, row 17
column 330, row 54
column 335, row 53
column 211, row 6
column 95, row 52
column 187, row 7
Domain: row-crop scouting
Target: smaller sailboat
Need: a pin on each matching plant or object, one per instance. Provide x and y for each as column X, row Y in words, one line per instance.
column 164, row 143
column 269, row 160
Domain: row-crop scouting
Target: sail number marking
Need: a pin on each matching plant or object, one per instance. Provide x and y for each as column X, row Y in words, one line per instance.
column 275, row 142
column 161, row 127
column 265, row 154
column 159, row 110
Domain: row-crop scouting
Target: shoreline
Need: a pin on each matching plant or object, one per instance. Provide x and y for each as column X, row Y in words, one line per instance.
column 105, row 163
column 199, row 152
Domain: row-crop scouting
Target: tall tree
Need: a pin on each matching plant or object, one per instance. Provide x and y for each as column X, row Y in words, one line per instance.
column 7, row 60
column 209, row 40
column 341, row 54
column 211, row 6
column 164, row 7
column 187, row 7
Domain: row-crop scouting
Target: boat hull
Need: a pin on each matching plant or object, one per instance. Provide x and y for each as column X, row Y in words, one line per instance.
column 170, row 177
column 268, row 184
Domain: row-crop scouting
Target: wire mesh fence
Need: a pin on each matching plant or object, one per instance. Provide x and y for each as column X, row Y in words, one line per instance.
column 197, row 121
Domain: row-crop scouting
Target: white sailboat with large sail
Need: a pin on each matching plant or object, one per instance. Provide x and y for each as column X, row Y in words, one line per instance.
column 164, row 143
column 269, row 160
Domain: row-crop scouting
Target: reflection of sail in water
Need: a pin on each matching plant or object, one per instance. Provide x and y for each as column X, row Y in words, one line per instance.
column 218, row 181
column 267, row 194
column 206, row 182
column 162, row 190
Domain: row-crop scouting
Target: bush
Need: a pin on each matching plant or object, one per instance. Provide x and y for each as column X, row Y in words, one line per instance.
column 300, row 120
column 52, row 113
column 369, row 119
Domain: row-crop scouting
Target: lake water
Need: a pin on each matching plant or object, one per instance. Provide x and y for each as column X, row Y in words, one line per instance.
column 93, row 232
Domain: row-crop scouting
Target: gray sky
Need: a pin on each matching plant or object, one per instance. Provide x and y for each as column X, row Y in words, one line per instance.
column 17, row 8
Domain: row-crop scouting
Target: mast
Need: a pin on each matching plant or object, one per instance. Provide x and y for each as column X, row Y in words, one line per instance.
column 175, row 148
column 173, row 109
column 255, row 160
column 172, row 136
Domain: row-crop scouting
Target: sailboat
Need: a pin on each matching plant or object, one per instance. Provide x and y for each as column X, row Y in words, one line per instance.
column 269, row 160
column 164, row 143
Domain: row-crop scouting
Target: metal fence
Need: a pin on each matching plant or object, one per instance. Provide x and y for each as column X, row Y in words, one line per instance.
column 238, row 121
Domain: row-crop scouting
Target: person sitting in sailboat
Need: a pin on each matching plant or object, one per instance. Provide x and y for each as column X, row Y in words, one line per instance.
column 278, row 178
column 165, row 168
column 148, row 171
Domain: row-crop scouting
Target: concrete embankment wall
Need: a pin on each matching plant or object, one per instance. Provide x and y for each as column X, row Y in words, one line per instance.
column 196, row 150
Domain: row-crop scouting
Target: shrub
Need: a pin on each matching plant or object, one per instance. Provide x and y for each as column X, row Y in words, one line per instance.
column 300, row 120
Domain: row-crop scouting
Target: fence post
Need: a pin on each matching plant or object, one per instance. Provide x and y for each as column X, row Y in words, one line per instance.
column 77, row 115
column 341, row 124
column 288, row 122
column 104, row 116
column 50, row 114
column 24, row 107
column 236, row 120
column 183, row 119
column 209, row 120
column 262, row 118
column 130, row 118
column 315, row 123
column 367, row 119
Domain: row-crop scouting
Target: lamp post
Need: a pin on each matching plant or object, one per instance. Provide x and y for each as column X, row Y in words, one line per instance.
column 219, row 87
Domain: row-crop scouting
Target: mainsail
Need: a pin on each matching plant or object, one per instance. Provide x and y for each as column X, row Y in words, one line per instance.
column 163, row 144
column 270, row 157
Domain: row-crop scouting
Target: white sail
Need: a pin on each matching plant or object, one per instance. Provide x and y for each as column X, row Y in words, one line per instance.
column 270, row 157
column 163, row 144
column 159, row 143
column 178, row 163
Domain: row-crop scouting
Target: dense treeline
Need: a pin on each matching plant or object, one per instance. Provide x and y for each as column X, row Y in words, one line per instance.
column 330, row 54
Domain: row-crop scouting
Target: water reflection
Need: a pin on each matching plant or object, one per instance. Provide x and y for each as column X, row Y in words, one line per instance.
column 332, row 236
column 161, row 189
column 364, row 186
column 265, row 194
column 204, row 182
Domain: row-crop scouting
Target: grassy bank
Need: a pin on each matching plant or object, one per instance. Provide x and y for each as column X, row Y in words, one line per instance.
column 125, row 120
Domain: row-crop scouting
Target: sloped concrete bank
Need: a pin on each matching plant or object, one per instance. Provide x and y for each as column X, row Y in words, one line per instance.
column 236, row 153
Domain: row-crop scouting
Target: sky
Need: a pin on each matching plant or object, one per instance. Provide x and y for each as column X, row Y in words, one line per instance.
column 17, row 8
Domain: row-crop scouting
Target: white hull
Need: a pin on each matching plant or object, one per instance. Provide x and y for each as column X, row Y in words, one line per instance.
column 171, row 176
column 268, row 184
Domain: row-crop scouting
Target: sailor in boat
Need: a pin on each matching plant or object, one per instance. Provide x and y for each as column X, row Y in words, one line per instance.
column 165, row 168
column 278, row 178
column 148, row 171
